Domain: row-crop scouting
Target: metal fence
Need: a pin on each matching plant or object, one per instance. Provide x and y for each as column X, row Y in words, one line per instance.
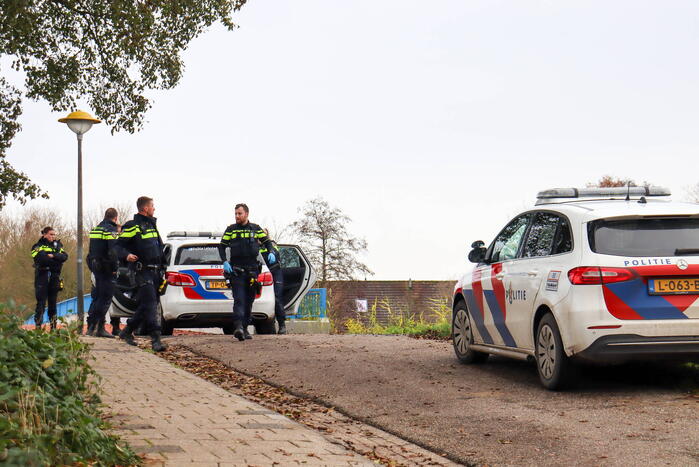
column 313, row 305
column 65, row 308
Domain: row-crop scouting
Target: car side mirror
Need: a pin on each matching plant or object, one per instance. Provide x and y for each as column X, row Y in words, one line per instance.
column 477, row 254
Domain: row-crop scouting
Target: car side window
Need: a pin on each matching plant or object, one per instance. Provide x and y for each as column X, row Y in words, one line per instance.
column 289, row 257
column 564, row 238
column 167, row 254
column 507, row 243
column 541, row 235
column 548, row 235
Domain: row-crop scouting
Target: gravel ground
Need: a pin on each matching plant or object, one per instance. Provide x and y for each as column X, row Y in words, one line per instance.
column 494, row 414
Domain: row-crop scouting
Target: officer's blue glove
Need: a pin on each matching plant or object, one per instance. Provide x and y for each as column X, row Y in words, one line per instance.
column 227, row 267
column 271, row 258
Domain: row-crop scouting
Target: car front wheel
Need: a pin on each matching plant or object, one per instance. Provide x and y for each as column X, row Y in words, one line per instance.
column 462, row 337
column 554, row 366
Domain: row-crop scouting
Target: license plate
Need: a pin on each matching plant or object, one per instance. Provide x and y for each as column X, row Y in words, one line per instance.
column 216, row 285
column 686, row 285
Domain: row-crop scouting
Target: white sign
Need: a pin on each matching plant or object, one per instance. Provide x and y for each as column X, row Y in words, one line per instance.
column 362, row 305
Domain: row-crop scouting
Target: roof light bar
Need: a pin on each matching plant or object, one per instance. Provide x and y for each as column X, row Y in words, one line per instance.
column 185, row 233
column 547, row 196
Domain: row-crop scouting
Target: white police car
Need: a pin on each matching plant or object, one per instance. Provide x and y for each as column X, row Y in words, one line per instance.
column 197, row 295
column 597, row 274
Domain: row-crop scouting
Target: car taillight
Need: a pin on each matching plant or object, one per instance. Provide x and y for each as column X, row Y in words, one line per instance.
column 590, row 275
column 182, row 280
column 265, row 278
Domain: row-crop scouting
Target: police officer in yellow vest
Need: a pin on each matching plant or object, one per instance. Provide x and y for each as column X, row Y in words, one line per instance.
column 103, row 262
column 243, row 239
column 49, row 256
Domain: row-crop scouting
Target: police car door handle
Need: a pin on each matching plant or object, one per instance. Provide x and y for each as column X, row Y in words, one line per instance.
column 533, row 273
column 499, row 275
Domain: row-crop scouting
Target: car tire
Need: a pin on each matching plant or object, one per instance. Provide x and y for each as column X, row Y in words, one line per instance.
column 265, row 326
column 166, row 328
column 462, row 337
column 554, row 367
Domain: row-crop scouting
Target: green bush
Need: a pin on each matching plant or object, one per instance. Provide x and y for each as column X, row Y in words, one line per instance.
column 49, row 407
column 438, row 327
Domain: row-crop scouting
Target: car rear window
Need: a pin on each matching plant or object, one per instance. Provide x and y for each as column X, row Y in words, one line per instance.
column 198, row 254
column 645, row 237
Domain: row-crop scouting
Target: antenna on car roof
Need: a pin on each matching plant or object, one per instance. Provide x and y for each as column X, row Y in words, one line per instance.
column 628, row 190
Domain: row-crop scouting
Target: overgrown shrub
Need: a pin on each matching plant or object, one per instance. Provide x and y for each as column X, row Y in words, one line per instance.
column 439, row 326
column 49, row 407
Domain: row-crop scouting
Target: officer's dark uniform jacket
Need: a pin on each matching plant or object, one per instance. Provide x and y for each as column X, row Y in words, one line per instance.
column 41, row 251
column 103, row 256
column 244, row 242
column 140, row 237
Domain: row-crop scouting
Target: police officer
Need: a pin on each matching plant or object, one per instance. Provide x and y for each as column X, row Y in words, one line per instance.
column 243, row 239
column 103, row 263
column 49, row 256
column 271, row 257
column 140, row 245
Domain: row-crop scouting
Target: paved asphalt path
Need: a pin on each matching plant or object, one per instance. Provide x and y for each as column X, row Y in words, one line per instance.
column 495, row 413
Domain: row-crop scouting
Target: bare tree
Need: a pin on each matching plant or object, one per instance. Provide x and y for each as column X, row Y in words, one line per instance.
column 607, row 181
column 322, row 232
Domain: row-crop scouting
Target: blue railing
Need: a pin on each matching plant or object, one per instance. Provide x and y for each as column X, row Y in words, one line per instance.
column 65, row 308
column 313, row 305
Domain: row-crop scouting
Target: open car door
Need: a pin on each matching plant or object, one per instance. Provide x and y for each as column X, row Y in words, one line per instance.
column 299, row 276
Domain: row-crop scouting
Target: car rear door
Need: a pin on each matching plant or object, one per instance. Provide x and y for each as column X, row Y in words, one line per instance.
column 299, row 276
column 547, row 239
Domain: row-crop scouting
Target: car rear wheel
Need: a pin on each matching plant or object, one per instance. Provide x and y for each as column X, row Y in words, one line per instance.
column 264, row 326
column 462, row 337
column 554, row 366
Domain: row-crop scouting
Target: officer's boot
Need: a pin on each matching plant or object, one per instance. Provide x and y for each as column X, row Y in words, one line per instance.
column 238, row 332
column 282, row 327
column 246, row 334
column 91, row 327
column 53, row 323
column 156, row 344
column 116, row 323
column 126, row 335
column 100, row 331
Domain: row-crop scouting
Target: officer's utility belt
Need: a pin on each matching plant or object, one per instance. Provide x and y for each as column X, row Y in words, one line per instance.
column 140, row 266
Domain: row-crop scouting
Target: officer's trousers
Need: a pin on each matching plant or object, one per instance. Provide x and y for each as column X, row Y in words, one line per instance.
column 147, row 299
column 243, row 298
column 279, row 312
column 46, row 285
column 102, row 294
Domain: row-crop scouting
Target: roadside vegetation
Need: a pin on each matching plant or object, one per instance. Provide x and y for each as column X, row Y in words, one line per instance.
column 435, row 323
column 49, row 403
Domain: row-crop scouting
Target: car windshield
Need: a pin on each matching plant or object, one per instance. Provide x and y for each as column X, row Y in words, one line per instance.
column 645, row 237
column 198, row 254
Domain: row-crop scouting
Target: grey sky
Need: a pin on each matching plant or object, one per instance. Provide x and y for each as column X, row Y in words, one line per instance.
column 429, row 123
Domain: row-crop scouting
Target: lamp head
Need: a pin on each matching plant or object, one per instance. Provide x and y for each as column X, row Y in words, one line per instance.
column 79, row 122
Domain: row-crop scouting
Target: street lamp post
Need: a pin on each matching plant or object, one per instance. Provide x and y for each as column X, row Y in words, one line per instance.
column 80, row 123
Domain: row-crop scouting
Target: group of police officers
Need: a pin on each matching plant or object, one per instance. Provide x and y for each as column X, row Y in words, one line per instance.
column 138, row 245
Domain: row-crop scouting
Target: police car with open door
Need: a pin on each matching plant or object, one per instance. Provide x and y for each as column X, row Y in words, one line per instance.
column 597, row 274
column 197, row 294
